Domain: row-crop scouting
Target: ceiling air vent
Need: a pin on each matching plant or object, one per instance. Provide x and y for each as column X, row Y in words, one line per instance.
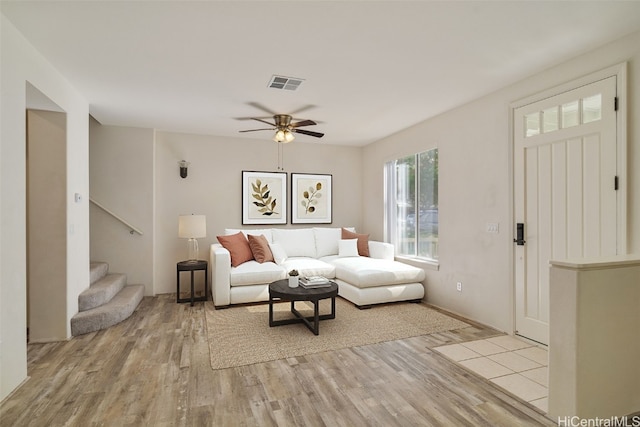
column 286, row 83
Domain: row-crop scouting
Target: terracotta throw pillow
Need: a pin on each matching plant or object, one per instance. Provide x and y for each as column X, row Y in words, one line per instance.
column 238, row 247
column 260, row 248
column 363, row 241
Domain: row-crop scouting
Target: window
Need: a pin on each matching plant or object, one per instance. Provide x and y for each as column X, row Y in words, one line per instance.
column 584, row 110
column 411, row 204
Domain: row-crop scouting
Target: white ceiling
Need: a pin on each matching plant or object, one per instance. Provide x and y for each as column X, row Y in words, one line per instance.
column 371, row 68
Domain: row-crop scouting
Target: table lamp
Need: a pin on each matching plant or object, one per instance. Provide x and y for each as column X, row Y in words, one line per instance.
column 192, row 227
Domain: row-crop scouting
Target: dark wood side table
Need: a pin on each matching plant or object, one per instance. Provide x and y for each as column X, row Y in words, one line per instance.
column 192, row 266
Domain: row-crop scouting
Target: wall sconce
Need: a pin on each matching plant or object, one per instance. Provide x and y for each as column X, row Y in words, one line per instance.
column 183, row 168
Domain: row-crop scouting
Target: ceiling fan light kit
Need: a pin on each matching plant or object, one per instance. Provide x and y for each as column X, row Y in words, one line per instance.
column 283, row 136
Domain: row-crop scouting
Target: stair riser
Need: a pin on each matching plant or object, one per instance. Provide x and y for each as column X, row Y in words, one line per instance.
column 101, row 292
column 97, row 270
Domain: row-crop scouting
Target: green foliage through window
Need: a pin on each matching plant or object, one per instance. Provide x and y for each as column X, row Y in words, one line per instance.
column 412, row 204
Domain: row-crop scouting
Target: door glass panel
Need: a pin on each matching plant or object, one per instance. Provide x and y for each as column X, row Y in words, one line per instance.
column 532, row 124
column 550, row 119
column 570, row 115
column 592, row 108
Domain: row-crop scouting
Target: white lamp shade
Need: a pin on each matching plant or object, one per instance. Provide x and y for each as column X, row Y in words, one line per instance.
column 192, row 226
column 288, row 136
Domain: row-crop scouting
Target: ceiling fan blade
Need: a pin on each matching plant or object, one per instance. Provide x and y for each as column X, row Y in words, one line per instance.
column 254, row 130
column 303, row 123
column 308, row 132
column 302, row 109
column 262, row 107
column 251, row 118
column 264, row 121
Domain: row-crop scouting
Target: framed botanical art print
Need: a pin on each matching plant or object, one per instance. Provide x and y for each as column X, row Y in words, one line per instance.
column 311, row 199
column 264, row 197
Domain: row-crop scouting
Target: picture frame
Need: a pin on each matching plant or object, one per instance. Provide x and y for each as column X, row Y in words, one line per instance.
column 311, row 198
column 264, row 197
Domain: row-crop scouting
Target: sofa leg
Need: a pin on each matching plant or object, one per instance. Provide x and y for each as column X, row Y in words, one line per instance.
column 364, row 307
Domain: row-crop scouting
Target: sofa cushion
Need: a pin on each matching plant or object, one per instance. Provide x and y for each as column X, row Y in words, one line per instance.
column 363, row 241
column 296, row 242
column 326, row 241
column 260, row 248
column 348, row 248
column 266, row 232
column 238, row 246
column 364, row 272
column 310, row 267
column 279, row 255
column 254, row 273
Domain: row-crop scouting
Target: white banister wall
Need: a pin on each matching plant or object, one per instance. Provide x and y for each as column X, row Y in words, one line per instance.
column 594, row 345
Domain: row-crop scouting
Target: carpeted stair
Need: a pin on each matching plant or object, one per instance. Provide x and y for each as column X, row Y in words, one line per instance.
column 107, row 301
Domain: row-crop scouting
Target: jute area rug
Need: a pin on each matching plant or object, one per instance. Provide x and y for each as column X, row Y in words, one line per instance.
column 241, row 335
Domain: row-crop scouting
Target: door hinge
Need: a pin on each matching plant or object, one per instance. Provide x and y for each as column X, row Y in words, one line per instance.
column 615, row 183
column 519, row 240
column 615, row 104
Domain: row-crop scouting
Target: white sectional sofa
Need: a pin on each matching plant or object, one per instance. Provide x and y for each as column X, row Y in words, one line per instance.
column 315, row 252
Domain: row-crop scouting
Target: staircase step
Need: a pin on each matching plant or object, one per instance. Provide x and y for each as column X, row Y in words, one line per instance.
column 97, row 271
column 115, row 311
column 101, row 292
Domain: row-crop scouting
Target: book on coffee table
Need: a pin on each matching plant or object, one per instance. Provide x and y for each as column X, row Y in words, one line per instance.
column 321, row 285
column 314, row 282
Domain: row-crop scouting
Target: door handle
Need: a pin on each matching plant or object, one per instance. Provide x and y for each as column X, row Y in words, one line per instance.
column 519, row 240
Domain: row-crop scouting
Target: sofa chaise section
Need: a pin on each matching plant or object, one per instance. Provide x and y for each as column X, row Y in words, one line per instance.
column 366, row 281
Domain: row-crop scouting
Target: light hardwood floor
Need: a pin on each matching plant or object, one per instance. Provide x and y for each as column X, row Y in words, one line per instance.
column 153, row 369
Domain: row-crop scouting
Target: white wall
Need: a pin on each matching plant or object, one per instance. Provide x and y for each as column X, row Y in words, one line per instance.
column 21, row 63
column 121, row 171
column 47, row 226
column 213, row 187
column 474, row 158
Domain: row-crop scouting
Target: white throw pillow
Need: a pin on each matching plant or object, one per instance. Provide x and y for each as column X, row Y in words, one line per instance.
column 327, row 241
column 279, row 255
column 347, row 248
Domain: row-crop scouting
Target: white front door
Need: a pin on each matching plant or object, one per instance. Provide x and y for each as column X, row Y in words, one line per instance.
column 565, row 191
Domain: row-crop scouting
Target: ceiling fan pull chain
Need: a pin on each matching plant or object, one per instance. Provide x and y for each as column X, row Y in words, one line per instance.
column 280, row 157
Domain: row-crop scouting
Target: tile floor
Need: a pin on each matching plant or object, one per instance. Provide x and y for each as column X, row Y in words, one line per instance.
column 517, row 366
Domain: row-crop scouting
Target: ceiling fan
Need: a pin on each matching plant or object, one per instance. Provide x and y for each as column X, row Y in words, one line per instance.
column 285, row 129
